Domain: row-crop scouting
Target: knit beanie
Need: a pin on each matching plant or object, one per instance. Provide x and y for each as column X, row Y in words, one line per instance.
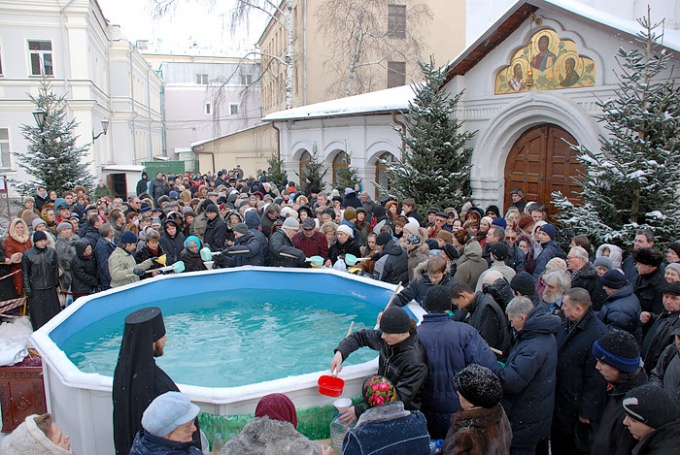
column 395, row 320
column 350, row 213
column 411, row 227
column 291, row 223
column 603, row 261
column 167, row 412
column 479, row 386
column 438, row 299
column 614, row 279
column 499, row 222
column 211, row 208
column 241, row 228
column 651, row 405
column 619, row 350
column 674, row 266
column 383, row 238
column 550, row 230
column 277, row 406
column 63, row 226
column 345, row 230
column 675, row 246
column 37, row 222
column 378, row 390
column 38, row 236
column 128, row 237
column 523, row 283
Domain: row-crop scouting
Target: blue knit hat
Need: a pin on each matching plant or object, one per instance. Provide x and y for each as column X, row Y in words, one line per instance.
column 550, row 230
column 128, row 237
column 499, row 222
column 619, row 350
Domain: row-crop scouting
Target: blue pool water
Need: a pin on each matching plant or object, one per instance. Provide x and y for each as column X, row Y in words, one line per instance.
column 233, row 338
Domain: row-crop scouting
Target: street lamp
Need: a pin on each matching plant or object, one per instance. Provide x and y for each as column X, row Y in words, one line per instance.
column 39, row 116
column 105, row 128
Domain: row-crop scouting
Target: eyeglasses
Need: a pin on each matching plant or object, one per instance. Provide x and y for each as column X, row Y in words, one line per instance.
column 510, row 237
column 572, row 257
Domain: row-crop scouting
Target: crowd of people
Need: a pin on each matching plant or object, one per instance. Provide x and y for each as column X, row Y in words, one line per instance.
column 526, row 347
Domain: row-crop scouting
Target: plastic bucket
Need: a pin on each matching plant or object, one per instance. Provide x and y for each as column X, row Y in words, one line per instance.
column 317, row 261
column 331, row 386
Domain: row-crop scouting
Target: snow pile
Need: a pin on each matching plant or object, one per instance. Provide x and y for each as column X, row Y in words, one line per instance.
column 14, row 341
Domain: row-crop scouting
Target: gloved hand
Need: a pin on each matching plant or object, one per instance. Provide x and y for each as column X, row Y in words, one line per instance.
column 138, row 271
column 375, row 257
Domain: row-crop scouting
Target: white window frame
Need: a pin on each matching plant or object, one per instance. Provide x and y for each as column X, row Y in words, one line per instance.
column 246, row 79
column 202, row 79
column 41, row 53
column 208, row 108
column 231, row 108
column 5, row 149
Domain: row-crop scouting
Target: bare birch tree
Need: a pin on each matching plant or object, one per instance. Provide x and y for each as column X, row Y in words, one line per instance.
column 363, row 37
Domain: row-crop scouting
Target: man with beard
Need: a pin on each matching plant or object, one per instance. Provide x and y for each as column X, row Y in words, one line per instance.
column 556, row 284
column 137, row 380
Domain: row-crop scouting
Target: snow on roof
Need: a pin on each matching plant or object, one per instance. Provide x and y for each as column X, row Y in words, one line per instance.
column 391, row 99
column 212, row 139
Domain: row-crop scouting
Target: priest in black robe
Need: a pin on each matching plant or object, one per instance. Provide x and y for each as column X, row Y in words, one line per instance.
column 137, row 380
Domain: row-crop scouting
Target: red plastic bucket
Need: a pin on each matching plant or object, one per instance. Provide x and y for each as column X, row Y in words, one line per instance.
column 331, row 386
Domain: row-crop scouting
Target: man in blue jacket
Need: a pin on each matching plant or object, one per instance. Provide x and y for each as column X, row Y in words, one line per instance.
column 528, row 378
column 450, row 346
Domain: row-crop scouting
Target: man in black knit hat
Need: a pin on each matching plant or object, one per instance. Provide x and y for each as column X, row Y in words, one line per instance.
column 652, row 418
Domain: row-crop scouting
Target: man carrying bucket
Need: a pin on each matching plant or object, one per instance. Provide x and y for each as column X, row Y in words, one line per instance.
column 402, row 358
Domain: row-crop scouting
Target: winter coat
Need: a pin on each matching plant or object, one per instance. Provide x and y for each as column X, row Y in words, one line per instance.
column 142, row 186
column 121, row 264
column 418, row 287
column 266, row 224
column 89, row 233
column 265, row 436
column 339, row 250
column 40, row 269
column 550, row 250
column 471, row 264
column 649, row 289
column 145, row 253
column 215, row 234
column 282, row 253
column 485, row 315
column 501, row 293
column 351, row 200
column 479, row 431
column 392, row 267
column 66, row 250
column 402, row 363
column 588, row 279
column 315, row 246
column 621, row 310
column 85, row 278
column 388, row 430
column 149, row 444
column 172, row 246
column 528, row 379
column 102, row 252
column 157, row 189
column 416, row 257
column 517, row 259
column 14, row 243
column 665, row 440
column 611, row 437
column 507, row 272
column 657, row 338
column 252, row 220
column 28, row 439
column 192, row 261
column 581, row 389
column 449, row 346
column 666, row 373
column 198, row 226
column 246, row 251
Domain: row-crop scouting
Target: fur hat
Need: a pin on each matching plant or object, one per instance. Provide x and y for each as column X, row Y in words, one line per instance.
column 619, row 350
column 350, row 213
column 438, row 299
column 672, row 288
column 446, row 236
column 291, row 223
column 649, row 256
column 167, row 412
column 614, row 279
column 479, row 386
column 395, row 320
column 382, row 239
column 523, row 283
column 651, row 405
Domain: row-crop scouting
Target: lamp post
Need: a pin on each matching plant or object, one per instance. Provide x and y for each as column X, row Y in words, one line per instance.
column 105, row 129
column 39, row 116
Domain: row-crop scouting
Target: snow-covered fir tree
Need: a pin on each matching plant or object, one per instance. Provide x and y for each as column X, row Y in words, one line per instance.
column 276, row 173
column 346, row 176
column 633, row 181
column 314, row 171
column 52, row 157
column 435, row 165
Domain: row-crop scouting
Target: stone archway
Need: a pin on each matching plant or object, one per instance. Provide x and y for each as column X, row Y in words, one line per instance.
column 541, row 162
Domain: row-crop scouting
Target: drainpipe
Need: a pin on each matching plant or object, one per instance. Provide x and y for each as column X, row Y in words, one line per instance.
column 278, row 140
column 304, row 54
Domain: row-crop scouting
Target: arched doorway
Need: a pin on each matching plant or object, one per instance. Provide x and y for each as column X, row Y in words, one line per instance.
column 305, row 159
column 340, row 161
column 381, row 177
column 540, row 162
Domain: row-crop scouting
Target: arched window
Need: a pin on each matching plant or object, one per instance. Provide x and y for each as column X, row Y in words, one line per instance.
column 381, row 177
column 340, row 161
column 305, row 158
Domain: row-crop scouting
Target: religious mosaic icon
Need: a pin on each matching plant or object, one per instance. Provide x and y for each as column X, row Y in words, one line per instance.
column 546, row 63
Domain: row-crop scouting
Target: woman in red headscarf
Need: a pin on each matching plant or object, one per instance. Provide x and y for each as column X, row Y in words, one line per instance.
column 273, row 430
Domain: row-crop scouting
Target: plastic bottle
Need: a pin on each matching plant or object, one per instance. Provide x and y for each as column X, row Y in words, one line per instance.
column 218, row 443
column 338, row 431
